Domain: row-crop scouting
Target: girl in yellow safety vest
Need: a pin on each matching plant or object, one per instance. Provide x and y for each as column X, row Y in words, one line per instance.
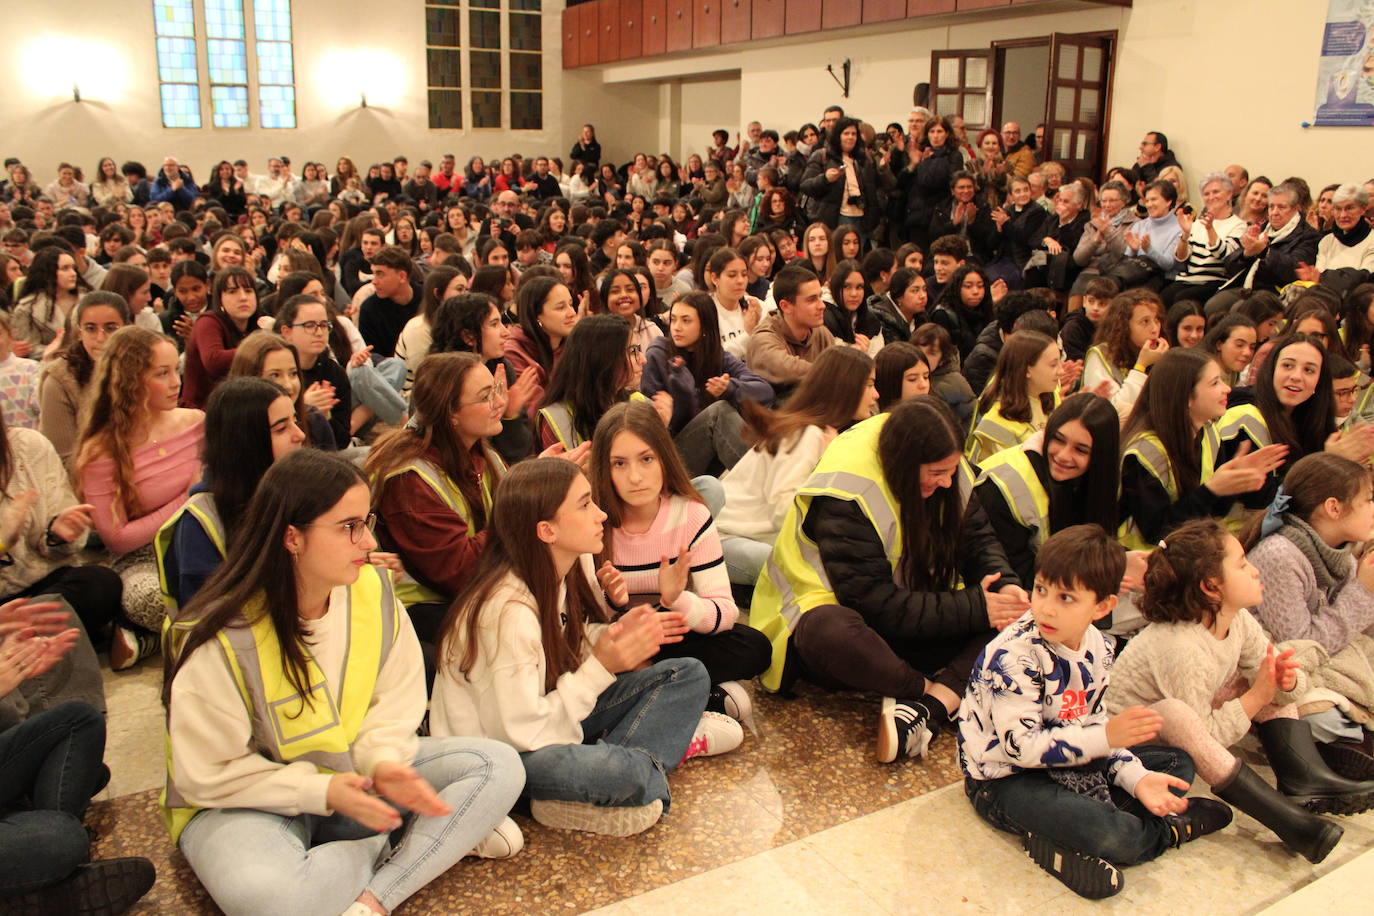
column 1126, row 345
column 1020, row 396
column 294, row 692
column 601, row 366
column 1171, row 471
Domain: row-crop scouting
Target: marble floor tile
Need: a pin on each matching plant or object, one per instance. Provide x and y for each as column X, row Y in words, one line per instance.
column 134, row 750
column 1333, row 892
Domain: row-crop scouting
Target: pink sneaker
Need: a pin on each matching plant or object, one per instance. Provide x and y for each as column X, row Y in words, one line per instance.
column 716, row 733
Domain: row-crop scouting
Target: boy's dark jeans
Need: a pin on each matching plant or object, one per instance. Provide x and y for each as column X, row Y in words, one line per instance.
column 1124, row 833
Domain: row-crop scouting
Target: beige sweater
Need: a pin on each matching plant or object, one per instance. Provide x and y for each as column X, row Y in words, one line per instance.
column 214, row 764
column 37, row 468
column 59, row 407
column 1184, row 661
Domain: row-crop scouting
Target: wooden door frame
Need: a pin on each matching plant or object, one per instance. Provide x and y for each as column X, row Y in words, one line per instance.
column 998, row 75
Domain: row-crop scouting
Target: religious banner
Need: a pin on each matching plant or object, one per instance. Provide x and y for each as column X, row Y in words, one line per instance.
column 1345, row 74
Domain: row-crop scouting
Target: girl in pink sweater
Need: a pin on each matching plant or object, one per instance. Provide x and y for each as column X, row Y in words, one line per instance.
column 661, row 547
column 138, row 457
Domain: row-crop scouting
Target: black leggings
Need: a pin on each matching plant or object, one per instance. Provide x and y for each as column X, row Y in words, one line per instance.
column 94, row 592
column 737, row 654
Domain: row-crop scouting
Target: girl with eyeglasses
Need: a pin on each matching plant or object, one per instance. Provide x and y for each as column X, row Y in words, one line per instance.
column 294, row 693
column 139, row 455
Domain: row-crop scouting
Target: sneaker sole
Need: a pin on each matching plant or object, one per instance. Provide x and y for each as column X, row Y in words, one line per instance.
column 563, row 815
column 888, row 745
column 1086, row 876
column 103, row 888
column 738, row 706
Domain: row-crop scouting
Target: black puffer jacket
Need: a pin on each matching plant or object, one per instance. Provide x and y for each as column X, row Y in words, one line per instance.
column 927, row 187
column 982, row 359
column 829, row 195
column 853, row 557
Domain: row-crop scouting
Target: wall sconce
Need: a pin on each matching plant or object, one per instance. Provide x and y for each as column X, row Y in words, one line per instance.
column 362, row 100
column 76, row 92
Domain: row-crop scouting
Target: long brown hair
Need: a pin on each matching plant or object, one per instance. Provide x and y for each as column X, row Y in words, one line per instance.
column 828, row 396
column 531, row 493
column 1114, row 333
column 1162, row 409
column 116, row 409
column 433, row 401
column 642, row 420
column 249, row 357
column 1009, row 389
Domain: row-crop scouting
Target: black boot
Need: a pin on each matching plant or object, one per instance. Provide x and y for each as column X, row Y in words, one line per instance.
column 1301, row 831
column 104, row 888
column 1351, row 759
column 1304, row 776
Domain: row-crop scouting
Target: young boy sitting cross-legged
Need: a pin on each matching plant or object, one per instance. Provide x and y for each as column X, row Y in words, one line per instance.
column 1042, row 758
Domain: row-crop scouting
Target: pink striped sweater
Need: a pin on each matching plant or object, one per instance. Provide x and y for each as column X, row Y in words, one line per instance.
column 706, row 603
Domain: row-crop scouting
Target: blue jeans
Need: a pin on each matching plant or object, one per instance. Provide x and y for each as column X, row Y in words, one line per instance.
column 1124, row 833
column 745, row 558
column 636, row 735
column 379, row 388
column 53, row 759
column 256, row 862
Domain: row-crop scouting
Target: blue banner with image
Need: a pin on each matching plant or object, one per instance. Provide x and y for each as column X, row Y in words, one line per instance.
column 1345, row 74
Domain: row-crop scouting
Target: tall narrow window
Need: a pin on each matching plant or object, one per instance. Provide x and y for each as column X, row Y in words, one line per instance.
column 226, row 53
column 484, row 61
column 526, row 65
column 276, row 69
column 444, row 63
column 178, row 75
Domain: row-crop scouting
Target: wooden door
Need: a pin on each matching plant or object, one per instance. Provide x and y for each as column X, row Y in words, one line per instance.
column 631, row 29
column 961, row 84
column 705, row 23
column 1079, row 81
column 608, row 30
column 735, row 21
column 679, row 25
column 770, row 18
column 655, row 13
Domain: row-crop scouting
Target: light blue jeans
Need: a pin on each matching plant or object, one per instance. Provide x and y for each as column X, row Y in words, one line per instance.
column 379, row 388
column 712, row 492
column 636, row 735
column 255, row 862
column 744, row 558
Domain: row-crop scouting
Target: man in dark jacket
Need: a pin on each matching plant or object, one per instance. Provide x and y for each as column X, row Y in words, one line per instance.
column 1155, row 156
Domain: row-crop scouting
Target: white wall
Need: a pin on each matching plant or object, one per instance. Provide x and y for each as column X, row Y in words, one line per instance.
column 340, row 47
column 707, row 104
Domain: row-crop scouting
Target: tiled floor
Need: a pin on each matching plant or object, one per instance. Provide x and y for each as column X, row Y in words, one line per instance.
column 800, row 820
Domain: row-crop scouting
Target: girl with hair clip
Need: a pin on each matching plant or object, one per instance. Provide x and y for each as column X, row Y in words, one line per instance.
column 704, row 386
column 1126, row 345
column 210, row 350
column 900, row 372
column 1231, row 342
column 249, row 424
column 1293, row 407
column 946, row 381
column 1185, row 325
column 52, row 287
column 1172, row 469
column 964, row 308
column 528, row 659
column 546, row 315
column 64, row 381
column 267, row 356
column 785, row 445
column 622, row 295
column 294, row 691
column 471, row 323
column 1318, row 589
column 601, row 366
column 664, row 550
column 1068, row 477
column 816, row 251
column 884, row 568
column 848, row 315
column 737, row 314
column 1208, row 669
column 576, row 269
column 138, row 456
column 1022, row 392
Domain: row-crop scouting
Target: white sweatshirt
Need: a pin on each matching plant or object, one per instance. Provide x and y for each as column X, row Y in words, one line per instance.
column 760, row 488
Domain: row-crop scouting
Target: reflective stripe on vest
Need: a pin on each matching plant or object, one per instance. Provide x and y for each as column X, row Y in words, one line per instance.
column 285, row 727
column 200, row 506
column 1014, row 476
column 993, row 432
column 794, row 581
column 1241, row 420
column 1098, row 355
column 408, row 589
column 1149, row 451
column 559, row 417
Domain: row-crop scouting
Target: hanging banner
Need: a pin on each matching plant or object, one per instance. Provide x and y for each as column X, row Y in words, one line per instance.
column 1345, row 75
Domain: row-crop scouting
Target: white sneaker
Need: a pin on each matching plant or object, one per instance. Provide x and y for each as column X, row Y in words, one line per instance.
column 902, row 730
column 716, row 733
column 734, row 700
column 566, row 815
column 502, row 843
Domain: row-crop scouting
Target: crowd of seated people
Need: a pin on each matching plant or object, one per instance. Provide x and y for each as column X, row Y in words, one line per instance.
column 567, row 460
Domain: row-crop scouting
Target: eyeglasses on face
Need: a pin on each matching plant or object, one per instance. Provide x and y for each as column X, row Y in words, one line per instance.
column 93, row 329
column 353, row 526
column 314, row 327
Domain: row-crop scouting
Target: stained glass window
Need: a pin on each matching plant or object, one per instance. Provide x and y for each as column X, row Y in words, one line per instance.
column 276, row 68
column 444, row 64
column 174, row 24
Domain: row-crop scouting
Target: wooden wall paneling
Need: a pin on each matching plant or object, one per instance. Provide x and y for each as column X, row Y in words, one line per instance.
column 655, row 15
column 608, row 30
column 735, row 21
column 588, row 49
column 631, row 29
column 837, row 14
column 928, row 7
column 883, row 10
column 572, row 17
column 962, row 5
column 803, row 16
column 679, row 25
column 770, row 18
column 706, row 23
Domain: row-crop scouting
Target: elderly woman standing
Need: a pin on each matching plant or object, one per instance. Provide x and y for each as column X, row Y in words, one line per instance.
column 1206, row 242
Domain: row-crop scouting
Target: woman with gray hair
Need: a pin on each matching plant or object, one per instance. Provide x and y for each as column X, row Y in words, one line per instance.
column 1206, row 241
column 1350, row 243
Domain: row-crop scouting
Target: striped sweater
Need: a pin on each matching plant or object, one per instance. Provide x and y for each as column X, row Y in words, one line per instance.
column 706, row 603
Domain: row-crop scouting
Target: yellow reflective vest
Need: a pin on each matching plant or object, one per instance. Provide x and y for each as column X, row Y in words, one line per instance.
column 201, row 507
column 1014, row 476
column 993, row 432
column 408, row 589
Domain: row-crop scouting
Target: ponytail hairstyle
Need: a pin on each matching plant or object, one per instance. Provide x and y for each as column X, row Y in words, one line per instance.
column 1312, row 422
column 1114, row 331
column 1103, row 477
column 1162, row 409
column 1310, row 482
column 829, row 395
column 1009, row 389
column 258, row 575
column 923, row 431
column 1185, row 561
column 529, row 494
column 890, row 367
